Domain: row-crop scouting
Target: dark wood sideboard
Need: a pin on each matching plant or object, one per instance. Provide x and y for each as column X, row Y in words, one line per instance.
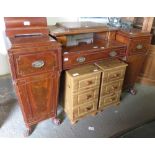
column 39, row 53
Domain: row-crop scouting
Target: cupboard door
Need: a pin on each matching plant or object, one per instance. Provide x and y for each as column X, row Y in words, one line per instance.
column 147, row 74
column 38, row 96
column 135, row 63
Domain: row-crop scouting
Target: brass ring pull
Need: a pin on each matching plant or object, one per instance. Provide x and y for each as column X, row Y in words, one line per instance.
column 139, row 46
column 89, row 82
column 112, row 53
column 81, row 59
column 38, row 64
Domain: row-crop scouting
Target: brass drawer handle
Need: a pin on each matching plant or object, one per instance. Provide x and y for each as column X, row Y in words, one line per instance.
column 89, row 96
column 115, row 75
column 81, row 59
column 112, row 99
column 89, row 108
column 114, row 87
column 113, row 53
column 139, row 46
column 89, row 82
column 38, row 64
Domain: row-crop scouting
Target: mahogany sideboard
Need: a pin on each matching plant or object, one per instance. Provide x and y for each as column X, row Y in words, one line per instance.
column 108, row 42
column 39, row 53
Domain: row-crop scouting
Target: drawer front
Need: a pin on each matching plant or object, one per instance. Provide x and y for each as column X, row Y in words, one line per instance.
column 139, row 45
column 36, row 63
column 84, row 97
column 116, row 74
column 78, row 58
column 110, row 88
column 109, row 100
column 86, row 82
column 119, row 52
column 85, row 109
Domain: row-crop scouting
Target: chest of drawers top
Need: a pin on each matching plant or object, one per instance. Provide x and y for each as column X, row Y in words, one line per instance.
column 83, row 71
column 110, row 64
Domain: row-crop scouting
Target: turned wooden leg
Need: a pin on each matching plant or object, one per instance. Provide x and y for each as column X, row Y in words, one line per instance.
column 132, row 91
column 56, row 120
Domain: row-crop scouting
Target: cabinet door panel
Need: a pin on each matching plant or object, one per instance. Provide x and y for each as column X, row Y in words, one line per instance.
column 38, row 95
column 135, row 63
column 147, row 74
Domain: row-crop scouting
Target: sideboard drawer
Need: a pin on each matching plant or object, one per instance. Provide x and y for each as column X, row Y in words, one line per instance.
column 139, row 45
column 32, row 63
column 73, row 59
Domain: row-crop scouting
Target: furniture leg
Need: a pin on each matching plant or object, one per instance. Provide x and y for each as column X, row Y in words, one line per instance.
column 132, row 91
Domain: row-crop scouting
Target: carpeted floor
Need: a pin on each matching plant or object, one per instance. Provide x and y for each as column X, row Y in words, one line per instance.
column 132, row 112
column 146, row 130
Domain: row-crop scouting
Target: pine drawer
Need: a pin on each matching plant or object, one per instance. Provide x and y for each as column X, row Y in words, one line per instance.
column 109, row 100
column 85, row 109
column 109, row 88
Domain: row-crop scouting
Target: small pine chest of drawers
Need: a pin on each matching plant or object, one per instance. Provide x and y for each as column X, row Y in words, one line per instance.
column 82, row 86
column 113, row 72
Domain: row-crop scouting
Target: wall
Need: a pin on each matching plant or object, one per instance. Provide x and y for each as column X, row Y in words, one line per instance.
column 4, row 65
column 54, row 20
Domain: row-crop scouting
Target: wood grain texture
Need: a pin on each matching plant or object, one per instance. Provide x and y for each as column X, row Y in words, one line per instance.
column 25, row 25
column 147, row 74
column 135, row 63
column 38, row 97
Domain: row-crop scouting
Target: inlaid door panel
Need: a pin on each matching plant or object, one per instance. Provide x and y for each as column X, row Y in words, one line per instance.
column 38, row 95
